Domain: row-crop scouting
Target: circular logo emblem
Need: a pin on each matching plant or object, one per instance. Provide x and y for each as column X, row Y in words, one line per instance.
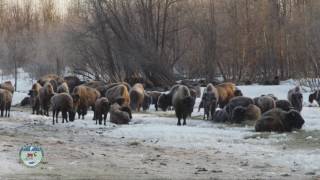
column 31, row 155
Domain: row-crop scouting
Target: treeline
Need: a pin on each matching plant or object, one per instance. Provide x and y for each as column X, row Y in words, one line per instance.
column 160, row 41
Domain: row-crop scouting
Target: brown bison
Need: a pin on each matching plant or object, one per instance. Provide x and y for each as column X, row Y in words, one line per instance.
column 120, row 113
column 265, row 103
column 63, row 88
column 72, row 82
column 165, row 99
column 295, row 97
column 102, row 107
column 116, row 92
column 46, row 92
column 249, row 113
column 315, row 96
column 284, row 105
column 5, row 102
column 151, row 97
column 34, row 94
column 87, row 98
column 54, row 79
column 279, row 121
column 94, row 84
column 226, row 92
column 221, row 116
column 209, row 101
column 183, row 103
column 66, row 104
column 238, row 101
column 7, row 86
column 136, row 97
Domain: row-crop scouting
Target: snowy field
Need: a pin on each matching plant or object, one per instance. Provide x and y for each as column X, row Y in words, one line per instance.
column 153, row 147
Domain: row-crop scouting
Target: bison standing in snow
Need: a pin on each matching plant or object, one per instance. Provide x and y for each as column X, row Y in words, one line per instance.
column 165, row 99
column 72, row 82
column 66, row 104
column 5, row 102
column 87, row 98
column 46, row 92
column 279, row 121
column 295, row 97
column 34, row 94
column 226, row 92
column 102, row 107
column 249, row 113
column 209, row 101
column 265, row 103
column 136, row 97
column 183, row 103
column 7, row 86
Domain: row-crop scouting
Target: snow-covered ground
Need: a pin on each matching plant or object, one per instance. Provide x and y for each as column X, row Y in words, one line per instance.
column 152, row 146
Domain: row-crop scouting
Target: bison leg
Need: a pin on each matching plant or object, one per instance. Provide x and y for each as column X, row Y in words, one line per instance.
column 179, row 122
column 105, row 118
column 53, row 114
column 2, row 109
column 57, row 116
column 184, row 120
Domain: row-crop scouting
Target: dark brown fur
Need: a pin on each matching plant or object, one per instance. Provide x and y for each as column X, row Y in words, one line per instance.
column 102, row 108
column 72, row 82
column 279, row 121
column 165, row 99
column 284, row 105
column 183, row 103
column 46, row 92
column 295, row 97
column 66, row 104
column 209, row 101
column 35, row 98
column 5, row 102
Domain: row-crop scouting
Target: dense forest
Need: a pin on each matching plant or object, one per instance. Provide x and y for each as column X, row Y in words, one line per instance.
column 160, row 41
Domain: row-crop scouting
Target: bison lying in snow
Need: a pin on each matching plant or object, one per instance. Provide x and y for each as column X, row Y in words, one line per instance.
column 46, row 92
column 136, row 97
column 279, row 121
column 34, row 94
column 249, row 113
column 221, row 116
column 295, row 97
column 120, row 113
column 209, row 101
column 87, row 98
column 5, row 102
column 7, row 86
column 284, row 105
column 265, row 103
column 183, row 103
column 66, row 104
column 102, row 107
column 238, row 101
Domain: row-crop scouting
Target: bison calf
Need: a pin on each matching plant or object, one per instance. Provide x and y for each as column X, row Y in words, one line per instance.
column 66, row 104
column 102, row 107
column 120, row 114
column 5, row 102
column 295, row 97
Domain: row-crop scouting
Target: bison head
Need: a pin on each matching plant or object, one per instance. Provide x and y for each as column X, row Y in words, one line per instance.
column 164, row 101
column 238, row 114
column 293, row 120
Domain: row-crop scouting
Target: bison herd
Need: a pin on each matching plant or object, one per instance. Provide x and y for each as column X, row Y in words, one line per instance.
column 222, row 103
